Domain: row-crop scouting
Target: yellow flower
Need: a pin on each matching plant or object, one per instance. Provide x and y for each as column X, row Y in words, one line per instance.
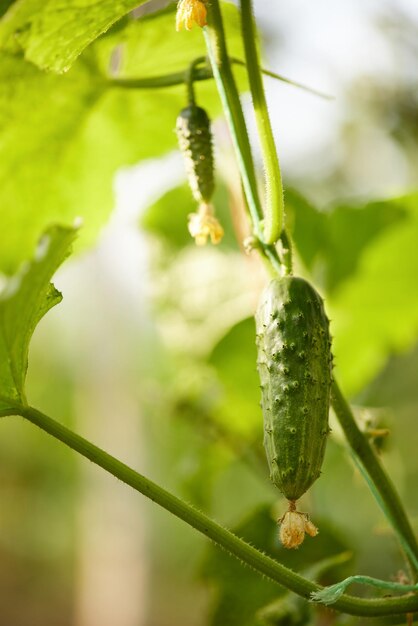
column 204, row 224
column 293, row 527
column 190, row 12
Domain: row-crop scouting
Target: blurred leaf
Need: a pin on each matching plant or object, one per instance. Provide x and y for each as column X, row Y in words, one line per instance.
column 376, row 311
column 167, row 218
column 291, row 609
column 151, row 45
column 4, row 5
column 242, row 592
column 365, row 259
column 396, row 385
column 234, row 359
column 331, row 244
column 25, row 300
column 62, row 138
column 53, row 33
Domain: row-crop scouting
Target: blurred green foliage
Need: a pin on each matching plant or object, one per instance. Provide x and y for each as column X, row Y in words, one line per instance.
column 62, row 139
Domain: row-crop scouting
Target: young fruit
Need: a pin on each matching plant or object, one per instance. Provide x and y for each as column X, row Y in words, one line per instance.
column 295, row 368
column 195, row 142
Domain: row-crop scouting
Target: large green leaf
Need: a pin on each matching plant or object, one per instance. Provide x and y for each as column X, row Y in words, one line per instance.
column 53, row 33
column 365, row 260
column 331, row 243
column 62, row 138
column 376, row 310
column 27, row 297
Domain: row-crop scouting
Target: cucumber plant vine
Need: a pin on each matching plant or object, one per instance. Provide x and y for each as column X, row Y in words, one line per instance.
column 35, row 295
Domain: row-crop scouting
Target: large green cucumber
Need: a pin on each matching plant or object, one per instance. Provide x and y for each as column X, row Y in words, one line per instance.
column 295, row 368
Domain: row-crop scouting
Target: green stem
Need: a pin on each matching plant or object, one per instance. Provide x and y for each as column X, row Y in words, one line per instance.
column 330, row 594
column 286, row 253
column 205, row 73
column 158, row 82
column 288, row 81
column 274, row 202
column 225, row 82
column 221, row 536
column 377, row 479
column 190, row 78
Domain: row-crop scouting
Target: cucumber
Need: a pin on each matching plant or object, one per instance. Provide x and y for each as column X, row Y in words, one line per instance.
column 295, row 368
column 195, row 142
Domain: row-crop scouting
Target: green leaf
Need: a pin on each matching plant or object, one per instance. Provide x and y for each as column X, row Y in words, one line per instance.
column 234, row 359
column 292, row 610
column 27, row 297
column 395, row 385
column 365, row 260
column 62, row 138
column 331, row 244
column 4, row 5
column 55, row 32
column 375, row 312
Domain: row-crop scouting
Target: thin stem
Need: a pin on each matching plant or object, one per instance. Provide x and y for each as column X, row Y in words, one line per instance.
column 190, row 78
column 205, row 73
column 377, row 479
column 158, row 82
column 288, row 81
column 274, row 202
column 330, row 594
column 221, row 536
column 286, row 252
column 225, row 82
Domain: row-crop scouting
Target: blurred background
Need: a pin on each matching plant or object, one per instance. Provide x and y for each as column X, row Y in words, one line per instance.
column 151, row 354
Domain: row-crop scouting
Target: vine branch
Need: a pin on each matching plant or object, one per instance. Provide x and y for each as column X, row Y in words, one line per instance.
column 221, row 536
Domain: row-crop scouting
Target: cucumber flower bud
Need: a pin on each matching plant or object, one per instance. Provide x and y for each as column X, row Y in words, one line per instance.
column 204, row 224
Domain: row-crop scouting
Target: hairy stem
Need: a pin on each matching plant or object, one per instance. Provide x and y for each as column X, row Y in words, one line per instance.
column 190, row 78
column 377, row 479
column 225, row 82
column 274, row 202
column 221, row 536
column 286, row 252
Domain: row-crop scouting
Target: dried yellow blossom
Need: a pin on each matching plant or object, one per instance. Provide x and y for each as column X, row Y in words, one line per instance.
column 204, row 224
column 293, row 527
column 310, row 528
column 190, row 12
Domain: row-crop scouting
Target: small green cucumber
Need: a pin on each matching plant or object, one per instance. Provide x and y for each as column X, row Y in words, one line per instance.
column 295, row 368
column 195, row 142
